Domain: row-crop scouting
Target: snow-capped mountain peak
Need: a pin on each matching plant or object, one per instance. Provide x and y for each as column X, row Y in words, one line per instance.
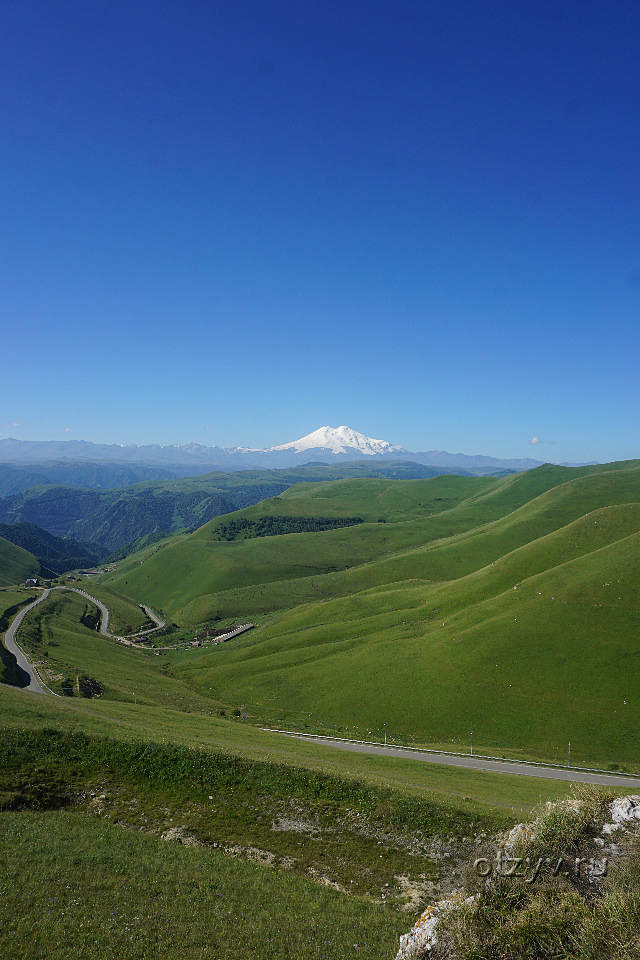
column 339, row 440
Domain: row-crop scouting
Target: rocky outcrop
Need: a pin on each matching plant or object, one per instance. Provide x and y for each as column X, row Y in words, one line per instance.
column 422, row 937
column 624, row 814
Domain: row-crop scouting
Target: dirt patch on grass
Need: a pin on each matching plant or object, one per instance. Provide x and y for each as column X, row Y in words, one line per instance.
column 414, row 892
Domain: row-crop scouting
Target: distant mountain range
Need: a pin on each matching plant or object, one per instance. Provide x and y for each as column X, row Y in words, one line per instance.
column 332, row 443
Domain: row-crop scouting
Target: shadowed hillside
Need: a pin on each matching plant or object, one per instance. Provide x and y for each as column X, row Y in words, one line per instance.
column 16, row 563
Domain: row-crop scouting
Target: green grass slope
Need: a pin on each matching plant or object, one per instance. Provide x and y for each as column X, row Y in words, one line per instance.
column 528, row 669
column 191, row 570
column 197, row 576
column 180, row 571
column 16, row 563
column 468, row 793
column 137, row 896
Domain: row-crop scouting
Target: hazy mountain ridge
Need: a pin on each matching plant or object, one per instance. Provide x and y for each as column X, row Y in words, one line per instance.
column 341, row 443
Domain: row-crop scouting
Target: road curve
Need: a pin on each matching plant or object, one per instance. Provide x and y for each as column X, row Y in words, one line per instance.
column 475, row 763
column 159, row 622
column 35, row 684
column 104, row 611
column 103, row 608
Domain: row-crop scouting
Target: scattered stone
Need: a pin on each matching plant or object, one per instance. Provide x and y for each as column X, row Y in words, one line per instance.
column 285, row 824
column 325, row 881
column 521, row 833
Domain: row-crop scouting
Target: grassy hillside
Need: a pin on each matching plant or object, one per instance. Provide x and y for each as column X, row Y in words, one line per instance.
column 527, row 669
column 207, row 566
column 16, row 563
column 370, row 841
column 196, row 577
column 469, row 793
column 138, row 896
column 503, row 606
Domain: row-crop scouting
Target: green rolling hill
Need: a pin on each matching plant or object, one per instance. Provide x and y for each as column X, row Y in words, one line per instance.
column 504, row 605
column 197, row 576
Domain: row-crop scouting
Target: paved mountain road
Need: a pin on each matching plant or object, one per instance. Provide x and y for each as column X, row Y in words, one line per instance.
column 159, row 622
column 35, row 684
column 522, row 769
column 104, row 610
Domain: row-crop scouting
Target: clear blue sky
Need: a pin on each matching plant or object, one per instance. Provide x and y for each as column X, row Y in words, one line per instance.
column 234, row 223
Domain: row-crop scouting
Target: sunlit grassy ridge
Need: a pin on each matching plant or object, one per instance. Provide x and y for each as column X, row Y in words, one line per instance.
column 195, row 577
column 528, row 668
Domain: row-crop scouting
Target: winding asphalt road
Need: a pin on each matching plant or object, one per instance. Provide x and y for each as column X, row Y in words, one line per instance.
column 35, row 684
column 104, row 610
column 159, row 622
column 521, row 769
